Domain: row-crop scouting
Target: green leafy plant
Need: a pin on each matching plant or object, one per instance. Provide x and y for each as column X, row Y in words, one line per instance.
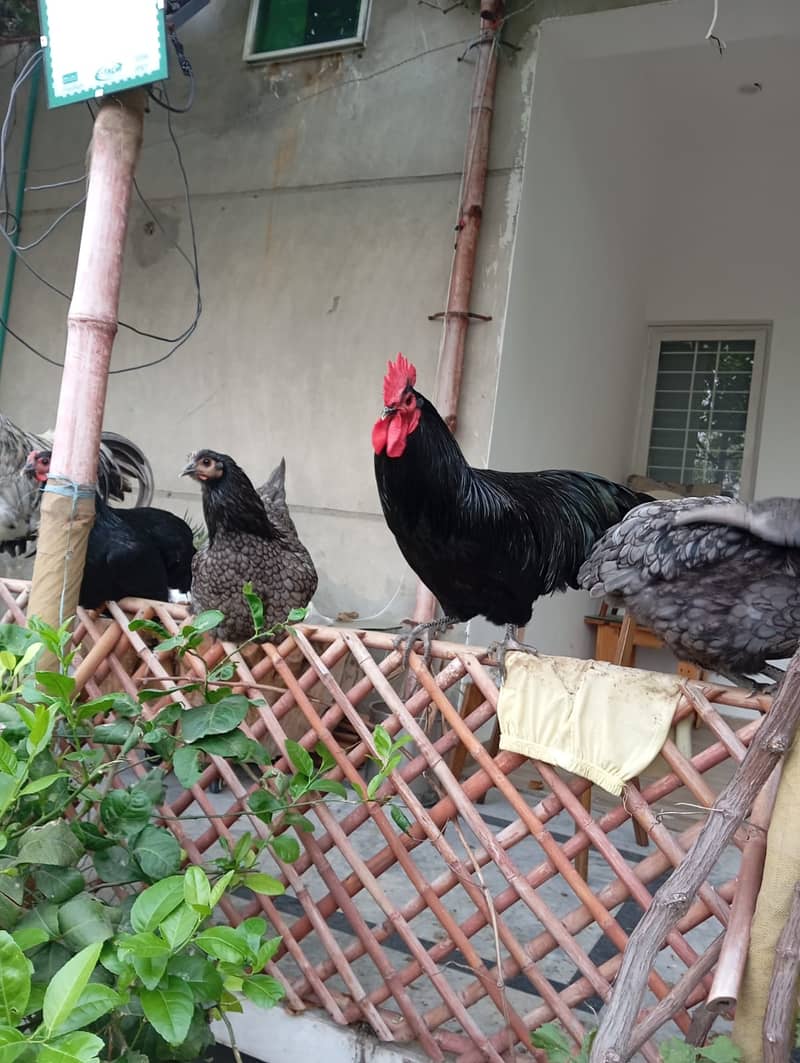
column 108, row 942
column 557, row 1047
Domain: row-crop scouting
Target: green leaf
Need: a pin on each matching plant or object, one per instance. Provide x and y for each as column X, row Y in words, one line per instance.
column 675, row 1051
column 150, row 969
column 56, row 685
column 157, row 853
column 8, row 758
column 187, row 766
column 58, row 884
column 219, row 888
column 285, row 848
column 79, row 1047
column 265, row 805
column 207, row 620
column 90, row 835
column 400, row 819
column 84, row 921
column 112, row 734
column 383, row 743
column 266, row 950
column 255, row 605
column 217, row 718
column 223, row 943
column 330, row 786
column 234, row 744
column 169, row 1010
column 554, row 1042
column 146, row 944
column 44, row 717
column 297, row 615
column 374, row 784
column 155, row 903
column 197, row 890
column 12, row 1044
column 263, row 990
column 44, row 783
column 300, row 758
column 29, row 937
column 294, row 819
column 148, row 625
column 115, row 865
column 179, row 926
column 200, row 975
column 126, row 812
column 54, row 844
column 94, row 1001
column 66, row 988
column 266, row 884
column 15, row 980
column 721, row 1050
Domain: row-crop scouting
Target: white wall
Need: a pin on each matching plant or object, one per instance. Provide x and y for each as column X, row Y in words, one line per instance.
column 654, row 191
column 569, row 380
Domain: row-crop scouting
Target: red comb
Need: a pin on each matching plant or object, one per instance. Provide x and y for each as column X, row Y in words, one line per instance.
column 399, row 375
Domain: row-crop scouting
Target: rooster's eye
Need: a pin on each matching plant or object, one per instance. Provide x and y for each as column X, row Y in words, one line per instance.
column 409, row 401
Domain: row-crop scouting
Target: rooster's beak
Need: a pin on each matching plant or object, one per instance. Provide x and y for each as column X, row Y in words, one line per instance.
column 29, row 466
column 188, row 469
column 386, row 411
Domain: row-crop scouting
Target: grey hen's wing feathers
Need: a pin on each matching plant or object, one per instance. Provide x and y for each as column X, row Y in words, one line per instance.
column 656, row 542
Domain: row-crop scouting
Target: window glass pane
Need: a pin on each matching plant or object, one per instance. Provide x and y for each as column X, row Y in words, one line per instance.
column 294, row 23
column 700, row 411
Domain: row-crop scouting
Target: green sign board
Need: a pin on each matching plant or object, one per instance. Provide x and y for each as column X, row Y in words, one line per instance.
column 95, row 47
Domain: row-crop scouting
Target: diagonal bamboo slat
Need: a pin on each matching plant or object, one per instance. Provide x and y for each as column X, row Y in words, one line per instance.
column 472, row 928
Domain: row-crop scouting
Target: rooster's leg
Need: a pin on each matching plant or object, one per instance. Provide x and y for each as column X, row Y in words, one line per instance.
column 510, row 642
column 426, row 632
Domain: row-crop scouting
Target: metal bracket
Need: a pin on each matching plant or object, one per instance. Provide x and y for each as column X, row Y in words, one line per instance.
column 445, row 314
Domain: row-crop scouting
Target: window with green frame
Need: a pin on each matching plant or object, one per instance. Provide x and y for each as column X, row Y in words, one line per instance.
column 304, row 26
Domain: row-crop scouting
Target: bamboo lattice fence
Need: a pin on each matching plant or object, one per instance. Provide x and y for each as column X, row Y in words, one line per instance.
column 471, row 930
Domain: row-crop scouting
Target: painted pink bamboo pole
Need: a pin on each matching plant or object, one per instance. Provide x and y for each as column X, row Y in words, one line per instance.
column 67, row 516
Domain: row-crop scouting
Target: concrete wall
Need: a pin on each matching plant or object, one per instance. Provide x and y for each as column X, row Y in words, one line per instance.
column 575, row 323
column 324, row 194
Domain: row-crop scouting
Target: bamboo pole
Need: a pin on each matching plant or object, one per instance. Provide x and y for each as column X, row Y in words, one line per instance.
column 67, row 511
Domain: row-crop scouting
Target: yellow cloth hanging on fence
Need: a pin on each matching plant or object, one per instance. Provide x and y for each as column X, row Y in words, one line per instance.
column 602, row 722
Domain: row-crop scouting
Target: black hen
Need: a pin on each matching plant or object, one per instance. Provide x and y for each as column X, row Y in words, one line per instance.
column 131, row 552
column 251, row 538
column 715, row 578
column 485, row 543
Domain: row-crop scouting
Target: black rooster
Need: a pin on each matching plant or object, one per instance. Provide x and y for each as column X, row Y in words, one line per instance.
column 141, row 553
column 715, row 578
column 120, row 466
column 251, row 539
column 485, row 543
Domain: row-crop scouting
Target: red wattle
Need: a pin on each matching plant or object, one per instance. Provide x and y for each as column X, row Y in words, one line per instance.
column 380, row 431
column 397, row 437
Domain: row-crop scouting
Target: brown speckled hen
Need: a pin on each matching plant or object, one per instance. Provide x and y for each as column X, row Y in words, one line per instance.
column 250, row 539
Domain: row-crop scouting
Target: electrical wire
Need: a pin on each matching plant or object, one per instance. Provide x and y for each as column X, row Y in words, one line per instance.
column 193, row 262
column 56, row 184
column 50, row 228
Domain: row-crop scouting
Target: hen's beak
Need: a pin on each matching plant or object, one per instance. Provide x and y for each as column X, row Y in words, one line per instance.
column 29, row 466
column 188, row 469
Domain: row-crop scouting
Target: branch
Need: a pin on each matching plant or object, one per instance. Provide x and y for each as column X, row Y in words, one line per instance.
column 781, row 1001
column 771, row 741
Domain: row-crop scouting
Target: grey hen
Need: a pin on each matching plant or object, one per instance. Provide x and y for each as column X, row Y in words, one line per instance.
column 715, row 578
column 251, row 538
